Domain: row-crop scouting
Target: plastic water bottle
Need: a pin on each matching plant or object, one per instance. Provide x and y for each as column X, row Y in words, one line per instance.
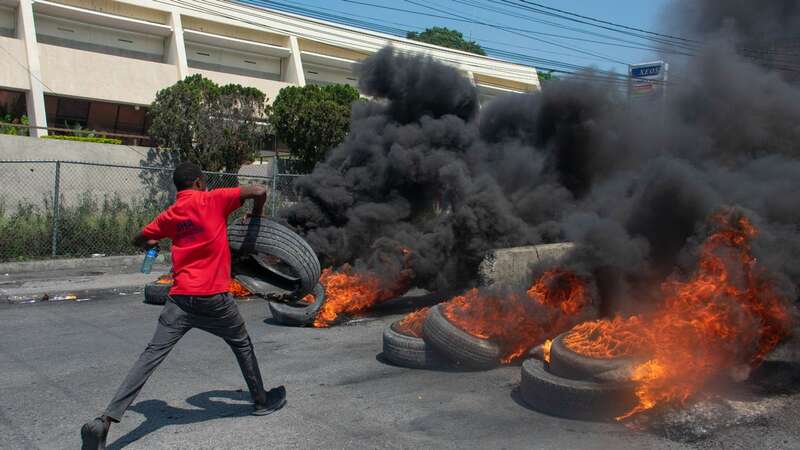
column 149, row 259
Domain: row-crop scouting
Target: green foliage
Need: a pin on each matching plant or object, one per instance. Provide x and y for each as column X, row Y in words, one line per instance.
column 546, row 76
column 98, row 140
column 312, row 119
column 86, row 225
column 12, row 130
column 218, row 127
column 445, row 37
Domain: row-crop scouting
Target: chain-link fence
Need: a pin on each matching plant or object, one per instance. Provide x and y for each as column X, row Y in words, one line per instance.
column 60, row 209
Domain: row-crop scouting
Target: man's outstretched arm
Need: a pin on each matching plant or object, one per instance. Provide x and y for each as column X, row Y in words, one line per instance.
column 258, row 193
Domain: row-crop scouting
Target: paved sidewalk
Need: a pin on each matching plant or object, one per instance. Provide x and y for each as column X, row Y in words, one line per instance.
column 74, row 280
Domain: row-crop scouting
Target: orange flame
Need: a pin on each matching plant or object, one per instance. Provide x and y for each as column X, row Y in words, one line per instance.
column 546, row 350
column 347, row 292
column 235, row 288
column 518, row 322
column 411, row 324
column 238, row 290
column 726, row 314
column 615, row 338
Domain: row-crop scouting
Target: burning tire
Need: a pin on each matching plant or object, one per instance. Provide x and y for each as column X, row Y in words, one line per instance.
column 573, row 399
column 403, row 344
column 265, row 237
column 567, row 363
column 298, row 313
column 156, row 293
column 458, row 346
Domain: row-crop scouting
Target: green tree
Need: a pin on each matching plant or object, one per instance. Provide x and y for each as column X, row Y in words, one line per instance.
column 218, row 127
column 546, row 76
column 446, row 37
column 312, row 119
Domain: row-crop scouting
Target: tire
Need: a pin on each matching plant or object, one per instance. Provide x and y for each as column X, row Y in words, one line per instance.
column 294, row 314
column 156, row 293
column 566, row 363
column 573, row 399
column 271, row 238
column 408, row 351
column 458, row 346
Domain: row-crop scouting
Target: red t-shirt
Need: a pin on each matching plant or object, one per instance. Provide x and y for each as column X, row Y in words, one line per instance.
column 197, row 225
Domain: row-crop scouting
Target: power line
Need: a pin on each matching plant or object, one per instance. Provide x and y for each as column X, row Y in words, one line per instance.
column 528, row 35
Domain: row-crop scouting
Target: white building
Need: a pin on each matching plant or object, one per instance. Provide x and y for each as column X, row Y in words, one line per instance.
column 98, row 63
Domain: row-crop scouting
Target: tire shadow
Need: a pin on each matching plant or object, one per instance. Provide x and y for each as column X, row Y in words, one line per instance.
column 443, row 367
column 159, row 414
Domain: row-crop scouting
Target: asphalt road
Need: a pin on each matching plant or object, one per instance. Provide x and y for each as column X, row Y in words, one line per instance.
column 61, row 363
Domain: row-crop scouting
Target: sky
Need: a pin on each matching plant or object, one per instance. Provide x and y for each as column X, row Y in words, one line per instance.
column 538, row 50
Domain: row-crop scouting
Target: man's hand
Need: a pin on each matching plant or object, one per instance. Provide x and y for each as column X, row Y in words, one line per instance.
column 142, row 242
column 259, row 195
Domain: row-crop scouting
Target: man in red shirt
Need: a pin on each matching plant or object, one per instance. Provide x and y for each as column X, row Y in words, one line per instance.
column 199, row 298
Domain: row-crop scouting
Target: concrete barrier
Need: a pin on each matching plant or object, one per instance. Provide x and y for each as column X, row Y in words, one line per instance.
column 512, row 266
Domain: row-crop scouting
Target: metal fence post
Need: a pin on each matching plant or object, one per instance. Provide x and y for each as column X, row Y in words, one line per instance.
column 273, row 194
column 56, row 207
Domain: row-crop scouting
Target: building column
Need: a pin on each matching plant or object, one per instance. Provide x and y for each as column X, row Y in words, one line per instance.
column 293, row 65
column 26, row 30
column 176, row 53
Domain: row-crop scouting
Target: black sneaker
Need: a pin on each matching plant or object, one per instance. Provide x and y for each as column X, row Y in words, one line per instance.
column 94, row 434
column 276, row 399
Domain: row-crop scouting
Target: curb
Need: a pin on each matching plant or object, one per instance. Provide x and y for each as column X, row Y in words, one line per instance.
column 77, row 263
column 75, row 296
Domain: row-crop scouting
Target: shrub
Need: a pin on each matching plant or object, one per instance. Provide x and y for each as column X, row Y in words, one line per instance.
column 87, row 225
column 98, row 140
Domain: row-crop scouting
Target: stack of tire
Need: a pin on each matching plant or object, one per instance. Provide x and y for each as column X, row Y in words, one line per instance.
column 288, row 262
column 568, row 385
column 439, row 344
column 575, row 386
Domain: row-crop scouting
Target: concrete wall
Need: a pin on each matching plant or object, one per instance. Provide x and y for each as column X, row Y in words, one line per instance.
column 80, row 73
column 13, row 73
column 35, row 182
column 512, row 266
column 21, row 147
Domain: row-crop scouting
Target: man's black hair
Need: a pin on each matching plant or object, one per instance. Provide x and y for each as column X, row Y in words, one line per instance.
column 184, row 175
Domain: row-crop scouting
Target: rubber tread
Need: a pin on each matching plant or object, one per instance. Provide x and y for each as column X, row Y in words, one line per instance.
column 574, row 399
column 277, row 240
column 298, row 315
column 566, row 363
column 457, row 345
column 409, row 351
column 156, row 293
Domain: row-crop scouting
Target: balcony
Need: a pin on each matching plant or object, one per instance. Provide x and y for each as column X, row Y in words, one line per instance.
column 112, row 78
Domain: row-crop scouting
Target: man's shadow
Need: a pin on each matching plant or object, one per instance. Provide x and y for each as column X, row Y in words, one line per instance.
column 159, row 414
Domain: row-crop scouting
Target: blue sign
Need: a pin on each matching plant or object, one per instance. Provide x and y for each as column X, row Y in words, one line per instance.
column 646, row 71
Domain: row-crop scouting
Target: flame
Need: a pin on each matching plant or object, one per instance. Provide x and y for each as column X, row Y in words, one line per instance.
column 615, row 338
column 238, row 290
column 546, row 350
column 725, row 315
column 411, row 324
column 165, row 279
column 518, row 322
column 348, row 292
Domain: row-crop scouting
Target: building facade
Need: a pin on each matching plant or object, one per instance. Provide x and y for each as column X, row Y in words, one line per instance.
column 97, row 64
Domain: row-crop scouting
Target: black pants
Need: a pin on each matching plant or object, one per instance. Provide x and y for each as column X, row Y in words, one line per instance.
column 216, row 314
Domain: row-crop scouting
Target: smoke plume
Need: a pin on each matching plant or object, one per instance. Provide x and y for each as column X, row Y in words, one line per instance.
column 425, row 169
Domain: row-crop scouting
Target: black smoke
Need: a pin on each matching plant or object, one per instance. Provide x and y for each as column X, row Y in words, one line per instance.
column 424, row 168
